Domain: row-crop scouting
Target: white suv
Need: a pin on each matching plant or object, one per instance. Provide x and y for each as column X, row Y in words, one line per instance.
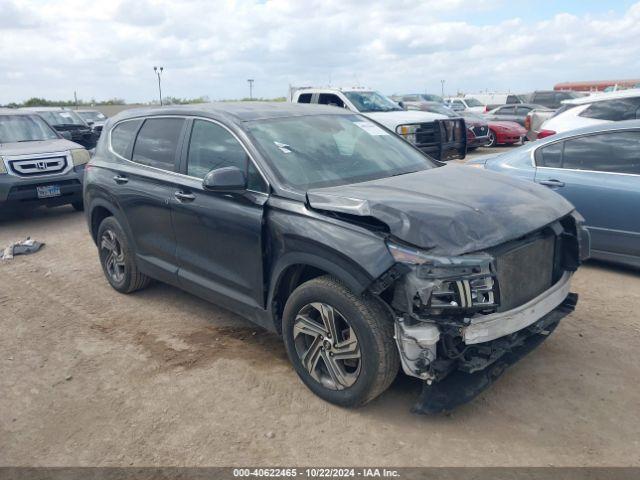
column 441, row 137
column 593, row 110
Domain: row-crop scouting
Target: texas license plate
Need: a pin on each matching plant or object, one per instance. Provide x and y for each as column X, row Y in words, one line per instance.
column 48, row 191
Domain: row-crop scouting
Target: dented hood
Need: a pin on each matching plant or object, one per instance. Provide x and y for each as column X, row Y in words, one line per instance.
column 450, row 210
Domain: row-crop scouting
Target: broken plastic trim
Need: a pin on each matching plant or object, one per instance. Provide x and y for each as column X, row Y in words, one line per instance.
column 460, row 387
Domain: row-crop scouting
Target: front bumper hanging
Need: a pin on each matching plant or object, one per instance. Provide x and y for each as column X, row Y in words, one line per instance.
column 460, row 387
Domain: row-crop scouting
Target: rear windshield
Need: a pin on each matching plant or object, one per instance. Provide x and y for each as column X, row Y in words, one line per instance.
column 62, row 118
column 328, row 150
column 24, row 128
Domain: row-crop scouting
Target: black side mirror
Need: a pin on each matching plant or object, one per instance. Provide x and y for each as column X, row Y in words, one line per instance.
column 402, row 105
column 226, row 179
column 65, row 134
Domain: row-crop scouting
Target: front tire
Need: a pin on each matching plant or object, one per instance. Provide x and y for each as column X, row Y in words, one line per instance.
column 492, row 139
column 340, row 344
column 117, row 258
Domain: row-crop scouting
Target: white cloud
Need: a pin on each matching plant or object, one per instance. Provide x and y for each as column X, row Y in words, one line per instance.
column 107, row 49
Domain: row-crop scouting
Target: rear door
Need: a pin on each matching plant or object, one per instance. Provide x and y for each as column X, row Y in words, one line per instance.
column 144, row 185
column 600, row 175
column 219, row 235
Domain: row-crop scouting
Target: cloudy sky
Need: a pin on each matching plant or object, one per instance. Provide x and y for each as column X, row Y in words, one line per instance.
column 49, row 48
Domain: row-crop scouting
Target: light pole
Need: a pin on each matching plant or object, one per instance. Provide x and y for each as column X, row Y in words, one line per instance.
column 250, row 88
column 158, row 71
column 442, row 85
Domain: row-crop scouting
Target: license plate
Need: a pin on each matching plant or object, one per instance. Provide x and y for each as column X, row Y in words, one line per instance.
column 48, row 191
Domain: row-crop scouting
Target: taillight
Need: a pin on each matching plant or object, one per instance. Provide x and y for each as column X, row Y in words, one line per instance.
column 486, row 108
column 527, row 122
column 545, row 133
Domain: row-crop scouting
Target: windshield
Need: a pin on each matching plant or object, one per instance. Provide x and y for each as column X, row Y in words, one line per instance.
column 428, row 97
column 327, row 150
column 441, row 109
column 61, row 118
column 24, row 128
column 472, row 102
column 372, row 102
column 92, row 116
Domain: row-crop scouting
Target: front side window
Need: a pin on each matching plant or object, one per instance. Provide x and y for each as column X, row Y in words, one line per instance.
column 327, row 150
column 24, row 128
column 372, row 102
column 614, row 110
column 212, row 147
column 122, row 137
column 157, row 142
column 617, row 152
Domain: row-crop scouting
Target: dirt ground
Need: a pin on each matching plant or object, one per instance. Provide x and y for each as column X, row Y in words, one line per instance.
column 92, row 377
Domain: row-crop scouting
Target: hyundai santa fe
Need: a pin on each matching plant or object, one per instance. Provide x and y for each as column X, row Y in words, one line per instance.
column 317, row 223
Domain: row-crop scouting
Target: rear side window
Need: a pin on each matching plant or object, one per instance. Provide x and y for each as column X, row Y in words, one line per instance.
column 507, row 110
column 617, row 152
column 211, row 147
column 122, row 136
column 550, row 156
column 304, row 98
column 330, row 99
column 614, row 110
column 157, row 142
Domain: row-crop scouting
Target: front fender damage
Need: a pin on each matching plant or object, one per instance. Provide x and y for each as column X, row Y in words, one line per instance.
column 458, row 332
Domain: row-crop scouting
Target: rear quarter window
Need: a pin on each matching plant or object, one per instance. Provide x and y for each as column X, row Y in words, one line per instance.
column 549, row 156
column 122, row 137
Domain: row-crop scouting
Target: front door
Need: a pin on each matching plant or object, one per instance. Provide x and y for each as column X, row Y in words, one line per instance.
column 600, row 175
column 219, row 235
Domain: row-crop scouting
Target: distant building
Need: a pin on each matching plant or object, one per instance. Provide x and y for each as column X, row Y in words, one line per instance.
column 598, row 85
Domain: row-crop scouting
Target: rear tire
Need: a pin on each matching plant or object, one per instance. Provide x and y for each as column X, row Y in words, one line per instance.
column 117, row 258
column 353, row 362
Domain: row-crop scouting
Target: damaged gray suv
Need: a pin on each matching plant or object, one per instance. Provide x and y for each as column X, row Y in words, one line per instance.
column 321, row 225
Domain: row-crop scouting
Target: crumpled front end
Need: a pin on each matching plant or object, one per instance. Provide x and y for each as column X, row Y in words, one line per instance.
column 462, row 320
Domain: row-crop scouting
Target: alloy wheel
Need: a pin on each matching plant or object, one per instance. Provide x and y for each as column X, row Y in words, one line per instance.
column 114, row 259
column 327, row 346
column 492, row 139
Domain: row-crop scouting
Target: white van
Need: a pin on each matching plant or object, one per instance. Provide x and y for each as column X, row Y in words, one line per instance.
column 494, row 100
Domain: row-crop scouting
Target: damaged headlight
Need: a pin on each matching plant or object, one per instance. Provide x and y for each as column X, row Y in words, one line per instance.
column 440, row 285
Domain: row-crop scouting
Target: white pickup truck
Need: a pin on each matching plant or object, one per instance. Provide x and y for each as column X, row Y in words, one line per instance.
column 439, row 136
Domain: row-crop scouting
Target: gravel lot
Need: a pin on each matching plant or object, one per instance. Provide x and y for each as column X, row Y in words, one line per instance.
column 92, row 377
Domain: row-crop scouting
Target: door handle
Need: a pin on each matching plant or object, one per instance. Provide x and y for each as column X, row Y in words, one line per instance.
column 120, row 179
column 552, row 183
column 184, row 197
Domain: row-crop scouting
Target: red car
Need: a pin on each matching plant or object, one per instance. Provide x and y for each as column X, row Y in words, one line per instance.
column 505, row 133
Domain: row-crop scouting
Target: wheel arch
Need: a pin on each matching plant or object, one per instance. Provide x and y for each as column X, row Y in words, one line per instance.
column 294, row 269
